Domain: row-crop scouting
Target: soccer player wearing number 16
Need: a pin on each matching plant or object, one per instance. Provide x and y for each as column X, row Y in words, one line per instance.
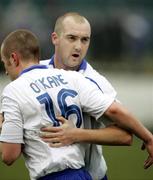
column 34, row 99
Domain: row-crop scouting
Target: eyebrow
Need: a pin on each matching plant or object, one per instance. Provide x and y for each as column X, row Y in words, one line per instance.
column 69, row 35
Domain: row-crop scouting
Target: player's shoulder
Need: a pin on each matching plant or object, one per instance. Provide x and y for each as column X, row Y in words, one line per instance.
column 100, row 79
column 11, row 87
column 92, row 72
column 89, row 66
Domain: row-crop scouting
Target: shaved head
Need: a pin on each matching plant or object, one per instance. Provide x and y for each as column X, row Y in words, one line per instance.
column 59, row 27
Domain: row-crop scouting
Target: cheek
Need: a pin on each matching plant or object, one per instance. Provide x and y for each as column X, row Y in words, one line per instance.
column 62, row 46
column 65, row 49
column 84, row 49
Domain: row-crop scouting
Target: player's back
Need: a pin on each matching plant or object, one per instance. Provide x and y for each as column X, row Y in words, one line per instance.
column 41, row 94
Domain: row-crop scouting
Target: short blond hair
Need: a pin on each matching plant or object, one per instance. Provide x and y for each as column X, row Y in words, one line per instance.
column 22, row 41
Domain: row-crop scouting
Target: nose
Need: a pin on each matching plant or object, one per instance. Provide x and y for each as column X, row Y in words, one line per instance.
column 78, row 45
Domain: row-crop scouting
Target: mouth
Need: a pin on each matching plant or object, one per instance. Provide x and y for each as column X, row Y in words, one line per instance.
column 75, row 55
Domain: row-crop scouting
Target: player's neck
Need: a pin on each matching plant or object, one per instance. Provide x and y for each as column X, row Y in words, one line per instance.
column 59, row 65
column 26, row 65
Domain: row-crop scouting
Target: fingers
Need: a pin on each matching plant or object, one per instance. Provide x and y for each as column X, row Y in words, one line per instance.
column 51, row 129
column 56, row 129
column 51, row 140
column 48, row 134
column 61, row 119
column 57, row 136
column 56, row 145
column 148, row 162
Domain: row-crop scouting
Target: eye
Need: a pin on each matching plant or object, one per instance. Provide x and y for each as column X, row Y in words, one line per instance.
column 71, row 38
column 85, row 39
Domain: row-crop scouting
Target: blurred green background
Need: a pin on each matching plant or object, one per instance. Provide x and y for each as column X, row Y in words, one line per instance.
column 121, row 49
column 122, row 38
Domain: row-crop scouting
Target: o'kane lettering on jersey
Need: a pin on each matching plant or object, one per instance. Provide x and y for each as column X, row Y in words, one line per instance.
column 47, row 82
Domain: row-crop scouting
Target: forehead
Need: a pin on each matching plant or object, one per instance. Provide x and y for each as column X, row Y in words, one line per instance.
column 74, row 27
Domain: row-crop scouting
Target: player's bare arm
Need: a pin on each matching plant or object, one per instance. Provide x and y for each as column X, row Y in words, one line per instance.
column 126, row 120
column 66, row 135
column 10, row 153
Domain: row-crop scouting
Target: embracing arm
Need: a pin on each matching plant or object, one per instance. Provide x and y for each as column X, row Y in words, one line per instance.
column 111, row 135
column 126, row 120
column 66, row 134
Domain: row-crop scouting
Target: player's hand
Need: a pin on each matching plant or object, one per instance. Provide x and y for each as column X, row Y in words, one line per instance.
column 149, row 147
column 58, row 136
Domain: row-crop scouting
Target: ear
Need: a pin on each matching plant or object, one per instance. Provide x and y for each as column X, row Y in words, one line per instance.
column 54, row 38
column 14, row 59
